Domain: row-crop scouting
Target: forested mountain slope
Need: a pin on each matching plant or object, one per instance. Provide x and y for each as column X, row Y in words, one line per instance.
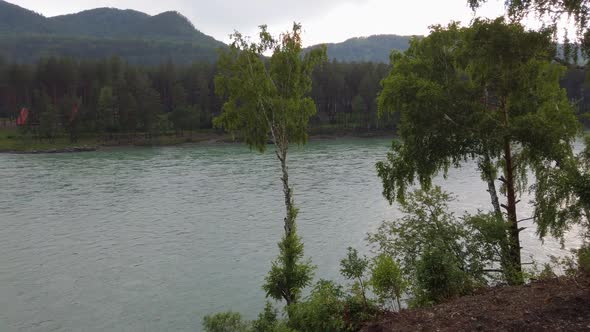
column 26, row 36
column 363, row 49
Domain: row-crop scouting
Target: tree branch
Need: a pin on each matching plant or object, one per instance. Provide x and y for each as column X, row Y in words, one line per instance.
column 526, row 219
column 493, row 270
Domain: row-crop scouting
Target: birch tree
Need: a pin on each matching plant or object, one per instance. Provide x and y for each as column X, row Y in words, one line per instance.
column 266, row 99
column 488, row 93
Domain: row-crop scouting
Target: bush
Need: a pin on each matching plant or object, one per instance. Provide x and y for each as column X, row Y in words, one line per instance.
column 357, row 311
column 323, row 310
column 387, row 281
column 268, row 321
column 225, row 322
column 353, row 267
column 441, row 255
column 438, row 278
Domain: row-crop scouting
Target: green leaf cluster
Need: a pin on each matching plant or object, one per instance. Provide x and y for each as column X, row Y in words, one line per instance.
column 437, row 254
column 289, row 273
column 267, row 98
column 468, row 94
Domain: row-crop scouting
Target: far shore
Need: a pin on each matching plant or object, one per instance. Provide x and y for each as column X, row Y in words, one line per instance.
column 19, row 145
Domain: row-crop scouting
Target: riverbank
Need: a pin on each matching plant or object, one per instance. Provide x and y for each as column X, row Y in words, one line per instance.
column 11, row 142
column 561, row 304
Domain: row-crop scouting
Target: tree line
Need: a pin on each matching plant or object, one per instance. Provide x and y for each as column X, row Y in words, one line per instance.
column 110, row 96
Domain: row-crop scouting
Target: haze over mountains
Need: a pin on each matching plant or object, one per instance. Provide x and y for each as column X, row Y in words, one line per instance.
column 26, row 36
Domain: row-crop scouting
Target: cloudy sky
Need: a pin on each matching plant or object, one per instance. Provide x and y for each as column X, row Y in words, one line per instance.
column 323, row 20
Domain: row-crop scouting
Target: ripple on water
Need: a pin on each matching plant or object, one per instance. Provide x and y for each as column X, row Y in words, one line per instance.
column 152, row 239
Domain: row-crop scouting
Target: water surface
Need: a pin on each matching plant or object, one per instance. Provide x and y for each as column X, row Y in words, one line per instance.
column 153, row 239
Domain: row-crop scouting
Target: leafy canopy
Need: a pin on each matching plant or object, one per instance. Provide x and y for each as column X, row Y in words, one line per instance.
column 464, row 94
column 553, row 14
column 267, row 98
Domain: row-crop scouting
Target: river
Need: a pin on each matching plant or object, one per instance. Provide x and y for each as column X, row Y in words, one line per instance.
column 153, row 239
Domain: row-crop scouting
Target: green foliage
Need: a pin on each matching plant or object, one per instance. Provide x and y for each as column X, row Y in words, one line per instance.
column 47, row 115
column 488, row 233
column 323, row 310
column 107, row 114
column 438, row 85
column 387, row 280
column 330, row 308
column 113, row 98
column 440, row 255
column 48, row 122
column 551, row 12
column 288, row 274
column 489, row 94
column 267, row 99
column 353, row 267
column 225, row 322
column 439, row 278
column 186, row 118
column 268, row 321
column 565, row 198
column 359, row 310
column 67, row 81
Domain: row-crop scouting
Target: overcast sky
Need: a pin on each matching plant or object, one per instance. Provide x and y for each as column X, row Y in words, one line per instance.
column 323, row 20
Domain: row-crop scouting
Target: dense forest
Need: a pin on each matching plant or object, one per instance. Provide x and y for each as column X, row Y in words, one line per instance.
column 112, row 96
column 26, row 36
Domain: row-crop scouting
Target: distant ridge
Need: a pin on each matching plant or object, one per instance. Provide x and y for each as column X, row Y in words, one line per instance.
column 103, row 32
column 376, row 48
column 26, row 36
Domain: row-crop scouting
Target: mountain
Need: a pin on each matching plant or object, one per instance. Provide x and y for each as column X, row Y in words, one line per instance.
column 14, row 19
column 103, row 32
column 374, row 48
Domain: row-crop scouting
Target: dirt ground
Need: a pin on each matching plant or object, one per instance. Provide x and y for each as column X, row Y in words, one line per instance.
column 554, row 305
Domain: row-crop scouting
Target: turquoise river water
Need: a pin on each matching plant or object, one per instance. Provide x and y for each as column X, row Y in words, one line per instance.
column 153, row 239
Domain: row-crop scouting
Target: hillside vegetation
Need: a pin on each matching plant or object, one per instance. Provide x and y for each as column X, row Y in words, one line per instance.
column 26, row 36
column 367, row 49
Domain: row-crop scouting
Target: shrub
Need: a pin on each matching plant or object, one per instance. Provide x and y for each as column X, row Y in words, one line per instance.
column 438, row 278
column 323, row 310
column 358, row 311
column 268, row 321
column 441, row 255
column 225, row 322
column 387, row 281
column 353, row 267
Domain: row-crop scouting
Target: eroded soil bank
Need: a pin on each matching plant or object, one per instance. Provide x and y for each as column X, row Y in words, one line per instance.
column 561, row 304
